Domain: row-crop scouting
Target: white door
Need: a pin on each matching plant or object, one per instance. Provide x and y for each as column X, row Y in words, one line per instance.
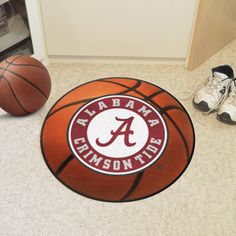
column 130, row 28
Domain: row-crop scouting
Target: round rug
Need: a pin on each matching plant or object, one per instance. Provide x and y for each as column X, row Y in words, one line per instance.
column 117, row 139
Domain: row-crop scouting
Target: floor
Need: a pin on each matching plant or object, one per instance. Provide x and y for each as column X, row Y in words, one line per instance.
column 202, row 202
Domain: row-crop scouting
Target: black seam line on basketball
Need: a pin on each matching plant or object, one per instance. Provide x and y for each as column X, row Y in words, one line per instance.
column 4, row 69
column 64, row 164
column 164, row 112
column 89, row 99
column 27, row 81
column 133, row 186
column 14, row 64
column 17, row 100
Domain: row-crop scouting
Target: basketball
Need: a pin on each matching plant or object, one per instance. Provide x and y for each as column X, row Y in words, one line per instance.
column 25, row 85
column 117, row 139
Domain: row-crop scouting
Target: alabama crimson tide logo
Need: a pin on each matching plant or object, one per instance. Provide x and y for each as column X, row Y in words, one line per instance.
column 117, row 135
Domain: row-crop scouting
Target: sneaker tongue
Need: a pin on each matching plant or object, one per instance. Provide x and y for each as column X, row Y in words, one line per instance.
column 220, row 75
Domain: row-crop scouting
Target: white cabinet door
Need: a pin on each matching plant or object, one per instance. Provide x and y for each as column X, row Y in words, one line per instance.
column 130, row 28
column 36, row 31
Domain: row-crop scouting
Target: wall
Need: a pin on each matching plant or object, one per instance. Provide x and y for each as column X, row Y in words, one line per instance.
column 131, row 28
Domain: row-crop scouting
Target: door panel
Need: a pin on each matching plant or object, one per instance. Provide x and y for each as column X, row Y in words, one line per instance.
column 215, row 26
column 131, row 28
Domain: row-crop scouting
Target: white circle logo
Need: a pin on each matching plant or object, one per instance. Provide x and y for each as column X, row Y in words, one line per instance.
column 117, row 135
column 114, row 118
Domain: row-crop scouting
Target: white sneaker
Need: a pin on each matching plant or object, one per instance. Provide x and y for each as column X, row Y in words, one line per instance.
column 227, row 111
column 209, row 97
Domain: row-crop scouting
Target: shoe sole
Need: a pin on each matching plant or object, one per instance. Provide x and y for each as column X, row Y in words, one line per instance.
column 201, row 106
column 225, row 118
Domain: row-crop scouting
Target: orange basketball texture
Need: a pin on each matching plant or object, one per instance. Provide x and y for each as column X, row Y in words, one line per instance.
column 87, row 182
column 25, row 85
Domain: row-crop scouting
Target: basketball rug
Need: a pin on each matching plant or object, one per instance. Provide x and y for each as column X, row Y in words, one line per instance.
column 117, row 139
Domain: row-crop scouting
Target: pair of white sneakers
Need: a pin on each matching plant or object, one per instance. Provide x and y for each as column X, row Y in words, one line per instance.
column 219, row 94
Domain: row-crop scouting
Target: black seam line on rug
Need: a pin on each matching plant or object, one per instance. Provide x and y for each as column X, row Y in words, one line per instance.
column 13, row 93
column 139, row 176
column 27, row 81
column 89, row 99
column 14, row 64
column 168, row 108
column 133, row 186
column 68, row 105
column 64, row 164
column 155, row 94
column 4, row 69
column 133, row 89
column 164, row 112
column 71, row 157
column 181, row 135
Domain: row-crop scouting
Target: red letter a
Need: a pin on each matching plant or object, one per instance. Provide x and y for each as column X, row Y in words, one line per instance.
column 126, row 123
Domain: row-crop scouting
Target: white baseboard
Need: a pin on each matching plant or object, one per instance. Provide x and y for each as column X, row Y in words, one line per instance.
column 116, row 60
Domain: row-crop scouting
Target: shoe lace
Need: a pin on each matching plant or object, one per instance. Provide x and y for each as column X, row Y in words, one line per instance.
column 221, row 100
column 196, row 87
column 213, row 85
